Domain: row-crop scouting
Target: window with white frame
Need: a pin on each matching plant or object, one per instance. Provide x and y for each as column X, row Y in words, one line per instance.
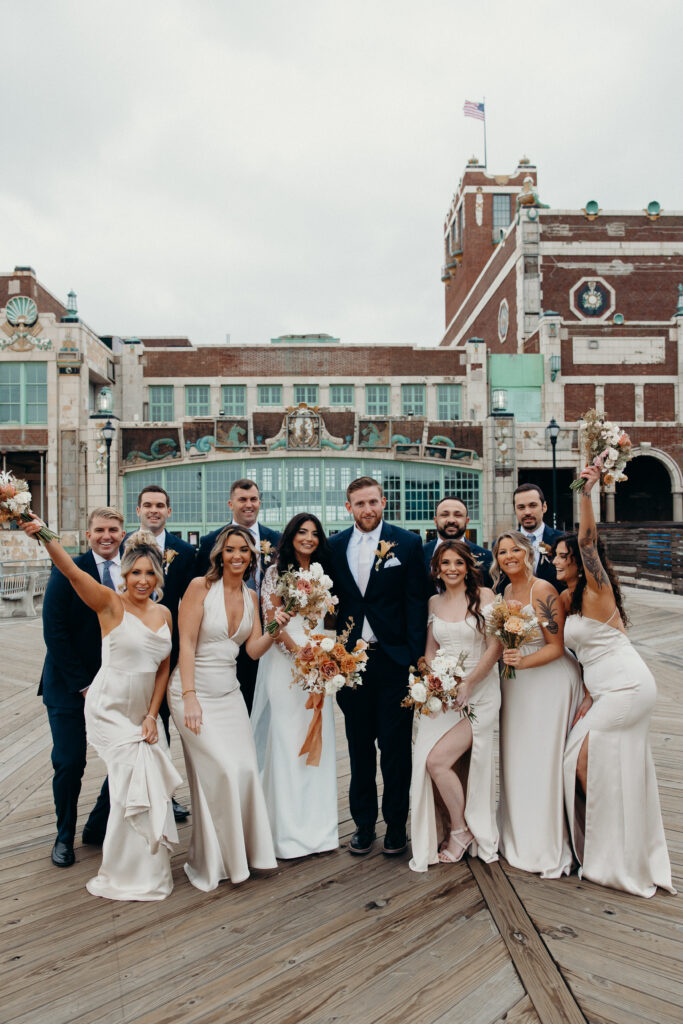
column 197, row 400
column 23, row 393
column 307, row 393
column 234, row 399
column 269, row 394
column 377, row 399
column 341, row 394
column 413, row 399
column 501, row 211
column 448, row 401
column 161, row 402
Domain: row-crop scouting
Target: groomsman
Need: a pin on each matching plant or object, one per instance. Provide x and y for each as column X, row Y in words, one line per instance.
column 244, row 503
column 380, row 581
column 74, row 653
column 530, row 507
column 451, row 519
column 178, row 557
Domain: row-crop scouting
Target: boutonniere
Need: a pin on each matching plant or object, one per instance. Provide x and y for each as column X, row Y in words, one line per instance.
column 266, row 551
column 545, row 549
column 383, row 551
column 169, row 555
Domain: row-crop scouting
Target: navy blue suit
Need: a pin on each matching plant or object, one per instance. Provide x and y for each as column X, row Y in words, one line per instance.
column 395, row 604
column 74, row 654
column 483, row 556
column 247, row 668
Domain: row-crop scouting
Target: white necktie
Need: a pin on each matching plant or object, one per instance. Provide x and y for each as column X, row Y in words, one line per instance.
column 365, row 560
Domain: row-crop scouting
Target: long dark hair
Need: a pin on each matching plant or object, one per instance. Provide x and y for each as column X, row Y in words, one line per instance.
column 576, row 603
column 285, row 555
column 473, row 578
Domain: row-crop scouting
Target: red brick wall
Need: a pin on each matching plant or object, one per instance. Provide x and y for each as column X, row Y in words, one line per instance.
column 620, row 402
column 578, row 398
column 659, row 402
column 507, row 288
column 24, row 436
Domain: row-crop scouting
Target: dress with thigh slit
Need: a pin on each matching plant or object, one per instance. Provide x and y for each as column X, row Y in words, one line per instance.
column 428, row 825
column 230, row 828
column 620, row 841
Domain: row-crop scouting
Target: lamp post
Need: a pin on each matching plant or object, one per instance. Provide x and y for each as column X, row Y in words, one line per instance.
column 553, row 429
column 108, row 435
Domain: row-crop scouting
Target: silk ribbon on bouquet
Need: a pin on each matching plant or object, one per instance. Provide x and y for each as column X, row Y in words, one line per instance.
column 313, row 744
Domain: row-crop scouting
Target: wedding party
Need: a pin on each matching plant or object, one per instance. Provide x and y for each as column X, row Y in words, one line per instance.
column 552, row 661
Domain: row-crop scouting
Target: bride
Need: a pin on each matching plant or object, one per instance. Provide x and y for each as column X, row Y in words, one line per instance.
column 450, row 748
column 301, row 798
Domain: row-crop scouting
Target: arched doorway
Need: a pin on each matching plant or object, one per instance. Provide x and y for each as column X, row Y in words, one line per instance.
column 646, row 496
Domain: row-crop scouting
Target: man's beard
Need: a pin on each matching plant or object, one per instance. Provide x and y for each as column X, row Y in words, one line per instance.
column 451, row 536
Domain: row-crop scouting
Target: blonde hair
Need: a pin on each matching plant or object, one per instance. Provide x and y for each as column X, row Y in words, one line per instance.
column 142, row 544
column 521, row 541
column 215, row 570
column 105, row 512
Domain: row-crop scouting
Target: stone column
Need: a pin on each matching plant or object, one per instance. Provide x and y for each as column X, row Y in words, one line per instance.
column 678, row 506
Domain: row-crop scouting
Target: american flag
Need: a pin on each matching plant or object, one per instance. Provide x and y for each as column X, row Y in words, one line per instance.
column 475, row 110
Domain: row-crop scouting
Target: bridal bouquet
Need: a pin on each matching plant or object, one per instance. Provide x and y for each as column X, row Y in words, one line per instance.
column 513, row 624
column 15, row 503
column 605, row 445
column 308, row 591
column 322, row 667
column 436, row 689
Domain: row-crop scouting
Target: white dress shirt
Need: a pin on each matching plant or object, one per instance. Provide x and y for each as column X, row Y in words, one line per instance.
column 114, row 568
column 536, row 537
column 161, row 541
column 360, row 539
column 256, row 534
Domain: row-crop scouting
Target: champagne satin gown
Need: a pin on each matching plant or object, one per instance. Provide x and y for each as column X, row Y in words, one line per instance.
column 426, row 827
column 140, row 830
column 301, row 798
column 536, row 712
column 619, row 838
column 230, row 827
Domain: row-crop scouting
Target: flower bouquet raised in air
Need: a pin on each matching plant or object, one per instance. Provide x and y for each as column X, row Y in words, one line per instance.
column 436, row 688
column 308, row 591
column 513, row 624
column 322, row 667
column 606, row 445
column 15, row 503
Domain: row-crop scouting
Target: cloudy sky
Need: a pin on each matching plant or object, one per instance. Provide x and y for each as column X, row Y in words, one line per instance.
column 204, row 167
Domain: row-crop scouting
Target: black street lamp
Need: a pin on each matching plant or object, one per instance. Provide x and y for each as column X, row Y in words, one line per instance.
column 553, row 429
column 108, row 434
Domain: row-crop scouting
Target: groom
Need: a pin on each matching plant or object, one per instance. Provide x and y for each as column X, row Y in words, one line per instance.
column 381, row 584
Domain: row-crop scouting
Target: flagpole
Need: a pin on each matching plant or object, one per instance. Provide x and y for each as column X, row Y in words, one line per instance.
column 485, row 160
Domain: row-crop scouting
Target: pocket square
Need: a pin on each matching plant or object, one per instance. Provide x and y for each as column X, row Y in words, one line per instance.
column 391, row 562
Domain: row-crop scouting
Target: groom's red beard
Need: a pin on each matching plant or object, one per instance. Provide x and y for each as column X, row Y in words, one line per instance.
column 368, row 523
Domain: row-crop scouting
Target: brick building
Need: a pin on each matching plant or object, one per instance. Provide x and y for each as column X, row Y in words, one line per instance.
column 548, row 312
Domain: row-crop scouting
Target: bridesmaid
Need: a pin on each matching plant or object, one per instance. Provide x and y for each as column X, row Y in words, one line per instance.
column 301, row 798
column 230, row 829
column 537, row 708
column 614, row 814
column 449, row 748
column 121, row 708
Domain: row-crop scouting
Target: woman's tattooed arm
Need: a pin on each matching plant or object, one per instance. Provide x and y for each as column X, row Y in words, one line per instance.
column 548, row 610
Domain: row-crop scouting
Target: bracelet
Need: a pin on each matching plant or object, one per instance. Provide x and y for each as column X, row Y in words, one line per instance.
column 184, row 693
column 153, row 717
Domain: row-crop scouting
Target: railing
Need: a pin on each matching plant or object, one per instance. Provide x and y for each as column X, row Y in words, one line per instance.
column 646, row 554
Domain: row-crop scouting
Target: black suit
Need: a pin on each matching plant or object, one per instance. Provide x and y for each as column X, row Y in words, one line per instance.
column 395, row 604
column 177, row 575
column 545, row 570
column 74, row 653
column 482, row 556
column 247, row 668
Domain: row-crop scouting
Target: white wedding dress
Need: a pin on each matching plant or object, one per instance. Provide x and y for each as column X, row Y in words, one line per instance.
column 536, row 711
column 140, row 830
column 479, row 781
column 623, row 844
column 230, row 830
column 301, row 798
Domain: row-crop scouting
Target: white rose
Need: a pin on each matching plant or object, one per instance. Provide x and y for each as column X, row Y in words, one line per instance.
column 448, row 684
column 327, row 644
column 326, row 582
column 434, row 704
column 316, row 570
column 23, row 498
column 418, row 691
column 338, row 682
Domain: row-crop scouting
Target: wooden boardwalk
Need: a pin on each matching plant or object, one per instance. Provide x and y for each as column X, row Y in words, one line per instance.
column 329, row 939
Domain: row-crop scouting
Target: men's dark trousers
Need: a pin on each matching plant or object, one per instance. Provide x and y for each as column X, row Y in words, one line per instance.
column 68, row 761
column 373, row 712
column 246, row 670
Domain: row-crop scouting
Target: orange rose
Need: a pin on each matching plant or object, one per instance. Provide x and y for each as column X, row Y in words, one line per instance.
column 515, row 625
column 328, row 669
column 347, row 664
column 338, row 652
column 514, row 606
column 307, row 654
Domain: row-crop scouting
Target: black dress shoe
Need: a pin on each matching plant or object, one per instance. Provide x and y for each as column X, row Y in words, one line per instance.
column 62, row 854
column 91, row 838
column 180, row 813
column 395, row 842
column 362, row 840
